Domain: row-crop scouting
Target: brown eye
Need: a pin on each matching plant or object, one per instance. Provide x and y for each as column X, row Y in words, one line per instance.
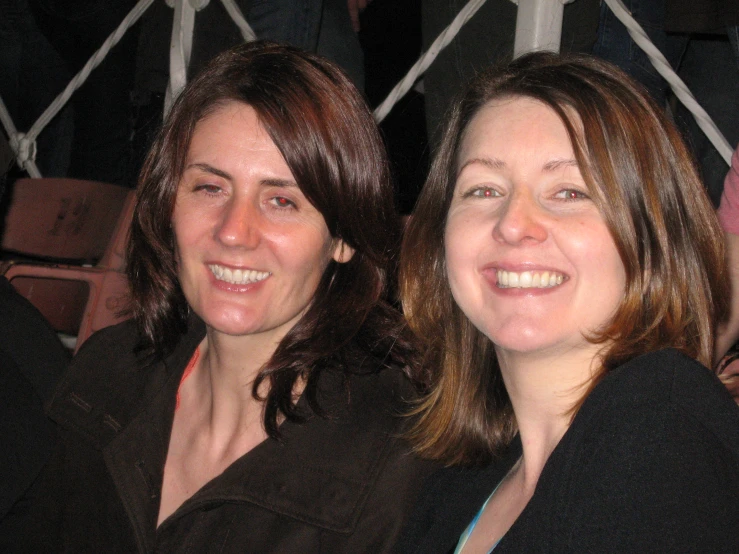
column 208, row 188
column 571, row 194
column 282, row 202
column 482, row 192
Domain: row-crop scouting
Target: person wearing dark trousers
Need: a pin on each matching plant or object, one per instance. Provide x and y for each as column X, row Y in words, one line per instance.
column 31, row 361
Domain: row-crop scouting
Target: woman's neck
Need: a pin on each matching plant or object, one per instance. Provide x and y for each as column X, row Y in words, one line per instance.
column 220, row 388
column 235, row 361
column 543, row 391
column 217, row 420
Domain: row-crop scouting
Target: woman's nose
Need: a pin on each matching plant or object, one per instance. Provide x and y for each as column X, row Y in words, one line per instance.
column 239, row 224
column 520, row 220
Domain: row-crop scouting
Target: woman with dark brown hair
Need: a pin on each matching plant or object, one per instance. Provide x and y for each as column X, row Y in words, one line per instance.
column 252, row 403
column 566, row 272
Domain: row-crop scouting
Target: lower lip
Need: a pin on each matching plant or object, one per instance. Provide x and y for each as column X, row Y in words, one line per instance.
column 233, row 287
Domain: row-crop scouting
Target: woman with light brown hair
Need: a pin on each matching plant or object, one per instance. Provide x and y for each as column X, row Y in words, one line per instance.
column 566, row 272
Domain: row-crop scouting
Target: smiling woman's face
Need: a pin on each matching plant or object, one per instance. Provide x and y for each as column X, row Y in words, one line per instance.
column 251, row 249
column 529, row 258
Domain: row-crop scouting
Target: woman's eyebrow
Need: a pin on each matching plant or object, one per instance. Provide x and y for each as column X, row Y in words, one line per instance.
column 554, row 165
column 210, row 169
column 283, row 183
column 207, row 168
column 491, row 163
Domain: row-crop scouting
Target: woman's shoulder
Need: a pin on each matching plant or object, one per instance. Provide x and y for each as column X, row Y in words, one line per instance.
column 655, row 369
column 108, row 380
column 650, row 463
column 666, row 382
column 113, row 341
column 373, row 374
column 657, row 401
column 102, row 356
column 98, row 374
column 374, row 400
column 115, row 352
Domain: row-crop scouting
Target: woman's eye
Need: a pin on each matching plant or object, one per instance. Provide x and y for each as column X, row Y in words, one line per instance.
column 571, row 194
column 282, row 202
column 482, row 192
column 208, row 188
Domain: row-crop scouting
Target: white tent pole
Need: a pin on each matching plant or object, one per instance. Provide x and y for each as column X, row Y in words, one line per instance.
column 538, row 25
column 180, row 46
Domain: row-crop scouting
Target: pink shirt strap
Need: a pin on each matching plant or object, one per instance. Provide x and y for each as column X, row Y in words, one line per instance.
column 728, row 211
column 188, row 371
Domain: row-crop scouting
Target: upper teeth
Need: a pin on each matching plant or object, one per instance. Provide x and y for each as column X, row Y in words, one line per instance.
column 238, row 276
column 529, row 279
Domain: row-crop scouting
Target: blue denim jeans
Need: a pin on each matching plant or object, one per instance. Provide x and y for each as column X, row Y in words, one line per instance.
column 321, row 26
column 615, row 45
column 290, row 21
column 707, row 64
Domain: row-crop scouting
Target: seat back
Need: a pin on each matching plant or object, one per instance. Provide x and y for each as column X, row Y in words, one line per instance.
column 61, row 301
column 66, row 220
column 81, row 226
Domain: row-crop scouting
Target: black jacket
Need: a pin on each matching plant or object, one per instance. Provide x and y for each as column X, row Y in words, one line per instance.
column 340, row 484
column 650, row 464
column 31, row 362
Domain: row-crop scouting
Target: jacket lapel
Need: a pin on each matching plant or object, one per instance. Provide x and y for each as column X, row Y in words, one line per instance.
column 301, row 476
column 136, row 456
column 135, row 460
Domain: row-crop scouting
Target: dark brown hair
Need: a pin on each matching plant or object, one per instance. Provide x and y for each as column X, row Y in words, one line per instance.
column 330, row 142
column 642, row 178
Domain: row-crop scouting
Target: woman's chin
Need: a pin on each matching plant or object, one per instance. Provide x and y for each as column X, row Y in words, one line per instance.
column 533, row 345
column 234, row 324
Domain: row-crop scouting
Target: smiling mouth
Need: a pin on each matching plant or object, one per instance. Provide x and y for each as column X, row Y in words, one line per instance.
column 238, row 276
column 529, row 279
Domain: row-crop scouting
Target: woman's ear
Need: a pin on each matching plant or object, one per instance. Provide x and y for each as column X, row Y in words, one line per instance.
column 342, row 252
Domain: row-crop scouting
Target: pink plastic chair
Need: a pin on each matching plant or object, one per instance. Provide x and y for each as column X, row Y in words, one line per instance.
column 76, row 233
